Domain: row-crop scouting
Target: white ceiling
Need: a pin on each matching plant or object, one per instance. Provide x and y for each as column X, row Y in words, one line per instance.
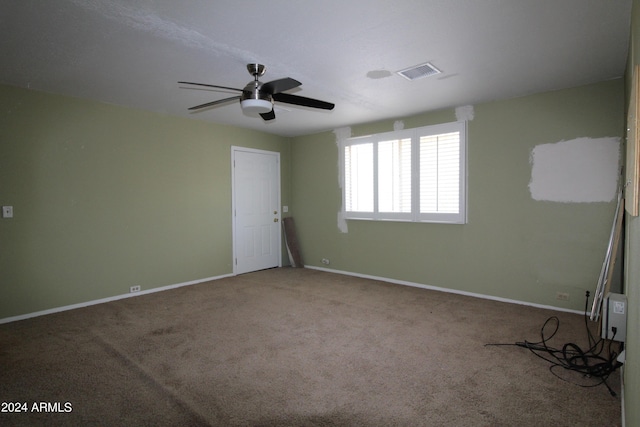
column 133, row 52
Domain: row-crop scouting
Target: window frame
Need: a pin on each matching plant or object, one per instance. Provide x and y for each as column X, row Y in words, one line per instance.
column 415, row 215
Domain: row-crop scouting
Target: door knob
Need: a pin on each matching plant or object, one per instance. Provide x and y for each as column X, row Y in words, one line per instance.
column 275, row 219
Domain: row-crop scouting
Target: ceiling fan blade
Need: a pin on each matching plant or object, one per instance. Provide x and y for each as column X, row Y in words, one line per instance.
column 211, row 104
column 214, row 86
column 277, row 86
column 301, row 100
column 268, row 116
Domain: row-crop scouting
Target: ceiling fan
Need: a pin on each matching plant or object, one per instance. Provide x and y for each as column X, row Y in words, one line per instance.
column 258, row 97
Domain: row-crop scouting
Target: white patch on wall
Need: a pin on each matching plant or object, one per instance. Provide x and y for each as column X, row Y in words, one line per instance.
column 341, row 134
column 465, row 113
column 581, row 170
column 398, row 125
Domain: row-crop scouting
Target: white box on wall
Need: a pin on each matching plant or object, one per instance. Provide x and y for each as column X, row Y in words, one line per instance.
column 614, row 315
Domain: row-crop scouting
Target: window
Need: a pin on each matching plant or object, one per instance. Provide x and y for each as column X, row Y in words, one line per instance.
column 409, row 175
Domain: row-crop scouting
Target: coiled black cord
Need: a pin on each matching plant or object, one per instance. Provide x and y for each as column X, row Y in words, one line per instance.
column 590, row 363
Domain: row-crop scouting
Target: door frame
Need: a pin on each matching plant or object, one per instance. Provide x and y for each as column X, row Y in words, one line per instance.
column 234, row 150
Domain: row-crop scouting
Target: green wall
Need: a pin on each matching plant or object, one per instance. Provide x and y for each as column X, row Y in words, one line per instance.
column 632, row 264
column 107, row 197
column 513, row 246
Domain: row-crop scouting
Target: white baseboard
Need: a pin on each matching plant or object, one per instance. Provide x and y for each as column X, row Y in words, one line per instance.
column 439, row 289
column 347, row 273
column 114, row 298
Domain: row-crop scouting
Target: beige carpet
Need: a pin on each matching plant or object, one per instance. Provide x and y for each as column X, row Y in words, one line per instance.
column 295, row 347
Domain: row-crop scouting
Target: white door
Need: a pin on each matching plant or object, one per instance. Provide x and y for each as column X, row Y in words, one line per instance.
column 256, row 210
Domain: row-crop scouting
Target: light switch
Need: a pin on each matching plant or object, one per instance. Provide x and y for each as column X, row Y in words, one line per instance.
column 7, row 212
column 285, row 209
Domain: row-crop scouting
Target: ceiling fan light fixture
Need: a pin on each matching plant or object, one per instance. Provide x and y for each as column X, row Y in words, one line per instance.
column 256, row 106
column 258, row 98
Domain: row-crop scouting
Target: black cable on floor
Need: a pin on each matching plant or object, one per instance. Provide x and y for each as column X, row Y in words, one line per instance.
column 599, row 361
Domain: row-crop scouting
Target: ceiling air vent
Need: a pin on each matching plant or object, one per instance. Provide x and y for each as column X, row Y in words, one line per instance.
column 419, row 71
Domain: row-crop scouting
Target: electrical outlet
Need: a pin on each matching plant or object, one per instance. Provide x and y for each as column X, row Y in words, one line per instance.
column 7, row 212
column 134, row 289
column 325, row 261
column 562, row 296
